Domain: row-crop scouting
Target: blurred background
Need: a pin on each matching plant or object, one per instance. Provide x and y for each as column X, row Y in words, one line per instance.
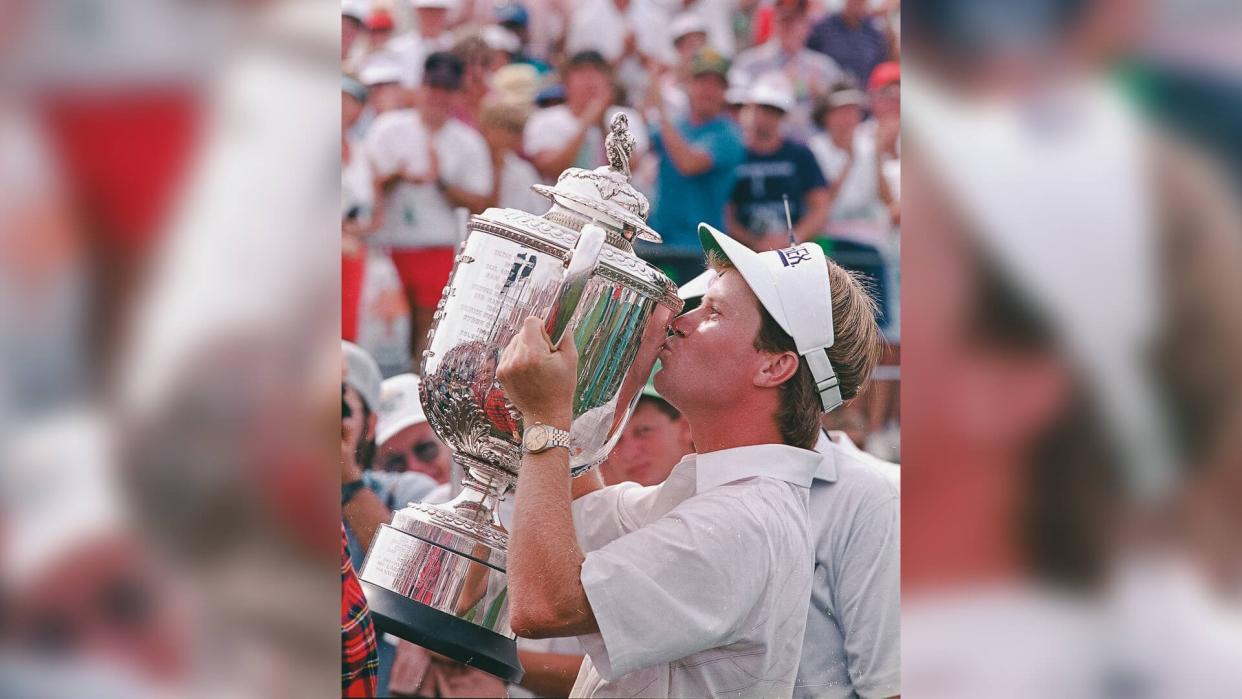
column 1071, row 330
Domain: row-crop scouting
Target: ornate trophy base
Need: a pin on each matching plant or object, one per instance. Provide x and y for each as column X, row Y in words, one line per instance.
column 436, row 576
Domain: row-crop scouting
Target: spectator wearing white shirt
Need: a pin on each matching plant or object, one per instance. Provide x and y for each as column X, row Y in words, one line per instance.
column 699, row 586
column 427, row 164
column 853, row 633
column 572, row 134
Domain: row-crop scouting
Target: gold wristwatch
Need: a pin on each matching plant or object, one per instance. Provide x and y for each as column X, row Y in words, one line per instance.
column 540, row 437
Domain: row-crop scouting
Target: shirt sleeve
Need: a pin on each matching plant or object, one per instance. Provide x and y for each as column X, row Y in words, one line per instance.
column 610, row 513
column 868, row 601
column 684, row 584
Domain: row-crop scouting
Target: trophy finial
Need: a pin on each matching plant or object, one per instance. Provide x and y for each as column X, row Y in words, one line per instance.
column 619, row 144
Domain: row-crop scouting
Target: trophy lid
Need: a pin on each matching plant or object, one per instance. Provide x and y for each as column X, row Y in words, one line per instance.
column 605, row 193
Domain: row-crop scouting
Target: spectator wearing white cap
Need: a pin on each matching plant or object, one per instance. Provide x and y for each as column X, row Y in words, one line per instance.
column 381, row 75
column 810, row 74
column 776, row 170
column 698, row 586
column 405, row 439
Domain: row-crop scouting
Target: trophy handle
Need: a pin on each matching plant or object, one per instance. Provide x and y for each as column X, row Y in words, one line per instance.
column 579, row 267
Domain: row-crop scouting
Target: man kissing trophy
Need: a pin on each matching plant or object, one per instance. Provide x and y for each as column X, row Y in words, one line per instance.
column 436, row 575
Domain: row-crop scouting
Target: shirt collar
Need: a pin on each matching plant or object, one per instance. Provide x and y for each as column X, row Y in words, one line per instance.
column 786, row 463
column 827, row 470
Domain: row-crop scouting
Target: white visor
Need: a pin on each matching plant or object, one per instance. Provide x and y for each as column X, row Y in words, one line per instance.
column 793, row 286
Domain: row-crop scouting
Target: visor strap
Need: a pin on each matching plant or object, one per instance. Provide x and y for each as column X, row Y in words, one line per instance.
column 826, row 381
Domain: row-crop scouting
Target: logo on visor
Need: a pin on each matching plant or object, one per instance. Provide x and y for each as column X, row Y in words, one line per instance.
column 792, row 257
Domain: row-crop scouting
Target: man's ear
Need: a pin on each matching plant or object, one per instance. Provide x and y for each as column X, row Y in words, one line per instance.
column 776, row 369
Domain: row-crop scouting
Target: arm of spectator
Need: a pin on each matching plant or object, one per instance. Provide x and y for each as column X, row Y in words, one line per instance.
column 549, row 674
column 812, row 223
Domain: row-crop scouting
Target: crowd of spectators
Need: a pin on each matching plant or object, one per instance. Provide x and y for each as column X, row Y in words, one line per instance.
column 774, row 120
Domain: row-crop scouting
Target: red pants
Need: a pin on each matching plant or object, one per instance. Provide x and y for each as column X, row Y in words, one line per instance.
column 424, row 273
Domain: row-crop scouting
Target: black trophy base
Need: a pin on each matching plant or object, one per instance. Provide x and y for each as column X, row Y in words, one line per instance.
column 443, row 633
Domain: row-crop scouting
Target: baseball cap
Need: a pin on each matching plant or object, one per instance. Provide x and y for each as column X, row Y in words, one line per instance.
column 771, row 93
column 793, row 286
column 709, row 61
column 357, row 9
column 362, row 373
column 380, row 72
column 687, row 23
column 444, row 70
column 400, row 406
column 433, row 4
column 884, row 74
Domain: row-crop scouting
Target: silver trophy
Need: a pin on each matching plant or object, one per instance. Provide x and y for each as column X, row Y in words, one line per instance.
column 436, row 575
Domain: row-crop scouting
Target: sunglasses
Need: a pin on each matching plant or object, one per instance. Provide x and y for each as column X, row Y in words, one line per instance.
column 425, row 452
column 125, row 606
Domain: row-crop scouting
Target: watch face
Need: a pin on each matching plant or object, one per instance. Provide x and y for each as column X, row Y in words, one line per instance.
column 536, row 438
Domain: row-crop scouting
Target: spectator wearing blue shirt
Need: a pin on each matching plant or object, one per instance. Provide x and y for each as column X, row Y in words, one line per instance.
column 853, row 38
column 698, row 155
column 775, row 167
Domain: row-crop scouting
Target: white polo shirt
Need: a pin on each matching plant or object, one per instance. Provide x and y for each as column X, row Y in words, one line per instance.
column 853, row 633
column 701, row 584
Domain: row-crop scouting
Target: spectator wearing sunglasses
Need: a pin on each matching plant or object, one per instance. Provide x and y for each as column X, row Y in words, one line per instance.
column 406, row 442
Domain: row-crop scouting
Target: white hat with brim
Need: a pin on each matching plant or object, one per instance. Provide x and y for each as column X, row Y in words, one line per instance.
column 685, row 24
column 380, row 72
column 400, row 406
column 358, row 9
column 794, row 287
column 768, row 94
column 433, row 4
